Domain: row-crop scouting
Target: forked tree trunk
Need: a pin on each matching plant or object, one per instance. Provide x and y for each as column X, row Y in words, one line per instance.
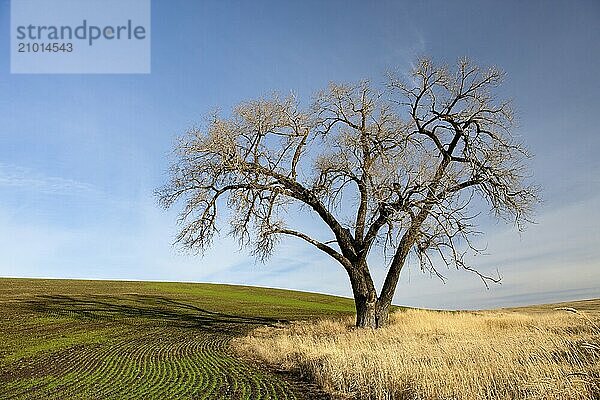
column 370, row 311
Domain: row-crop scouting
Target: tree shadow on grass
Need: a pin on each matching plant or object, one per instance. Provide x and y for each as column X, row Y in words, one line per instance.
column 144, row 309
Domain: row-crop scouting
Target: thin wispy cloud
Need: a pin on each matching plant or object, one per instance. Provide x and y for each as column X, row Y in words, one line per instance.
column 27, row 179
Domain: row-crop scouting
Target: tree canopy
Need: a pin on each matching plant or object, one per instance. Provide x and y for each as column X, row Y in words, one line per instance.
column 401, row 167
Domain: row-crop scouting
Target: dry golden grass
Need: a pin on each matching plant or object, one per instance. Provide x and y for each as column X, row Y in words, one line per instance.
column 551, row 354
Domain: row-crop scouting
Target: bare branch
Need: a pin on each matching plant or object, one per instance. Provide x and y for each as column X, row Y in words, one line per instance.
column 394, row 168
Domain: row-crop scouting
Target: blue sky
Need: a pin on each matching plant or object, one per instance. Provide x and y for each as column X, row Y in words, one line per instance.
column 80, row 155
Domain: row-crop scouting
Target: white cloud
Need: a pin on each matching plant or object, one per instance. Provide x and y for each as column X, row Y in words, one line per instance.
column 557, row 259
column 28, row 179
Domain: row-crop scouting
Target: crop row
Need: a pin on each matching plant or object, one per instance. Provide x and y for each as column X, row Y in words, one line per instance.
column 150, row 361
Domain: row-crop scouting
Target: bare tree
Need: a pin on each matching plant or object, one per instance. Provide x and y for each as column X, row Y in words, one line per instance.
column 397, row 169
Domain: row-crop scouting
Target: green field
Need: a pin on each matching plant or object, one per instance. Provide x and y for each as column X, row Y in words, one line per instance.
column 71, row 339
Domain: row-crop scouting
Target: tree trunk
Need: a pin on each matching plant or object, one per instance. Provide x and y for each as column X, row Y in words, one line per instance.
column 371, row 312
column 382, row 313
column 365, row 311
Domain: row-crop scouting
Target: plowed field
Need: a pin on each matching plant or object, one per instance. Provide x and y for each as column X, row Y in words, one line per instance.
column 131, row 340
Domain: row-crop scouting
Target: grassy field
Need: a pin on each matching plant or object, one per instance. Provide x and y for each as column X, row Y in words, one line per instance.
column 69, row 339
column 539, row 352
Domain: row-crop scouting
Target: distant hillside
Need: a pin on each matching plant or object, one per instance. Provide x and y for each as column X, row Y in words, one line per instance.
column 233, row 299
column 591, row 306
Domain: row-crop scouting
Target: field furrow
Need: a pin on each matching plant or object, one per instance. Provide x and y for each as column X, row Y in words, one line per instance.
column 105, row 340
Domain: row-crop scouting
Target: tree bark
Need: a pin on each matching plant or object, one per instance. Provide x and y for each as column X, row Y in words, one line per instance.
column 382, row 313
column 371, row 313
column 365, row 311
